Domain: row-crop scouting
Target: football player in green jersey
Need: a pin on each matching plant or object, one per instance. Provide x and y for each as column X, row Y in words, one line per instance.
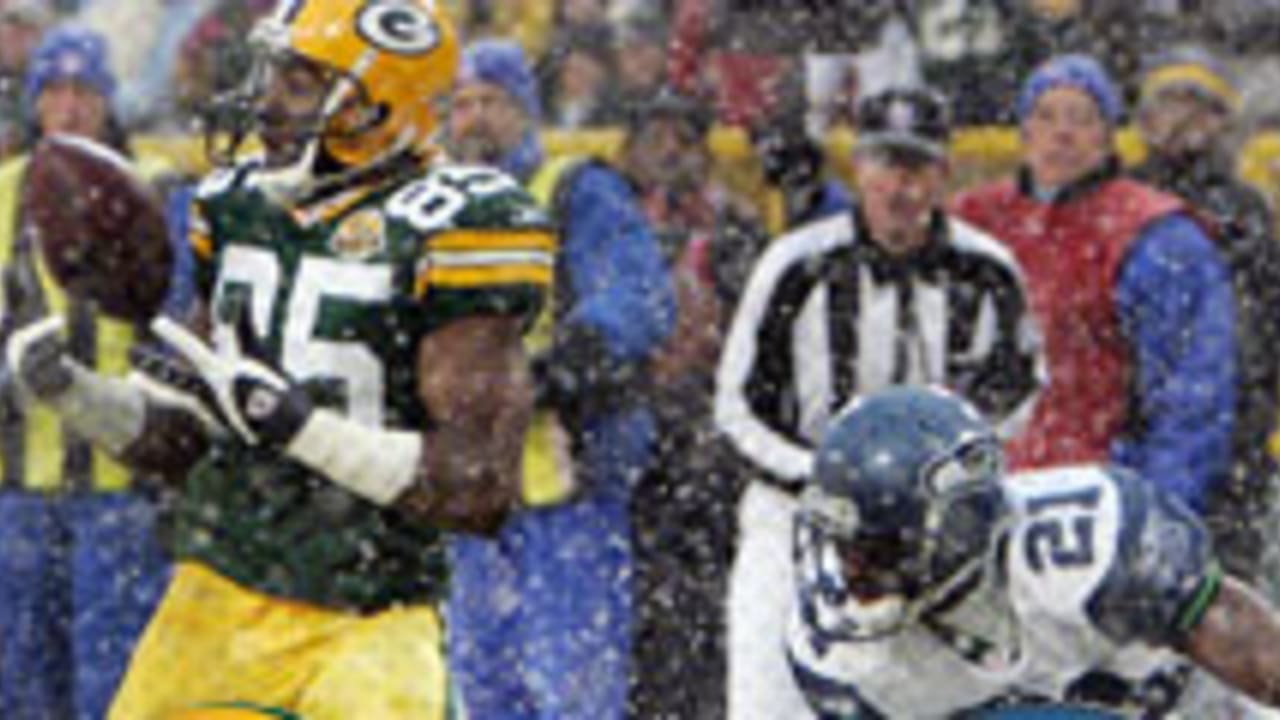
column 354, row 385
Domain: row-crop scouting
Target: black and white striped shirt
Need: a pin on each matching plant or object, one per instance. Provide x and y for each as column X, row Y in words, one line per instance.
column 828, row 315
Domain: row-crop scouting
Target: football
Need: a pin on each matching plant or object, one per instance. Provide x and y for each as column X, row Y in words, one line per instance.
column 100, row 227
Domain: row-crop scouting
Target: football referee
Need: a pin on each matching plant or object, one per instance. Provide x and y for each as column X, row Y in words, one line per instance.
column 893, row 292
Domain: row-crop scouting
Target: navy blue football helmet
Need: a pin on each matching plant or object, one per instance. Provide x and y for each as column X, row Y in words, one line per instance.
column 904, row 505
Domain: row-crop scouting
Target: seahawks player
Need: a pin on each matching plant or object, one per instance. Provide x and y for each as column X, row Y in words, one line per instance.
column 364, row 389
column 932, row 586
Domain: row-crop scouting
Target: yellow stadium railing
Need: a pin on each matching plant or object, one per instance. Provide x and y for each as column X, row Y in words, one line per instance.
column 977, row 154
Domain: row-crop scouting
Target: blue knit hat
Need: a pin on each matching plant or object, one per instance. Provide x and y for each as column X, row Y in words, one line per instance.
column 502, row 63
column 1078, row 71
column 70, row 53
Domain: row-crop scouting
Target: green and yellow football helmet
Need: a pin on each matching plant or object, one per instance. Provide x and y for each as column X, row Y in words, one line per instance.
column 384, row 66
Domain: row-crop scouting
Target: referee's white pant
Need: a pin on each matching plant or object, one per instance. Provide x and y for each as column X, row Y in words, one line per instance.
column 761, row 600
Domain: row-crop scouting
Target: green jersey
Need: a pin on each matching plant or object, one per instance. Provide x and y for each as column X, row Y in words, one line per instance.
column 340, row 295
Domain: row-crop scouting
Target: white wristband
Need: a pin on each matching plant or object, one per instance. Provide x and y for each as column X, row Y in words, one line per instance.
column 374, row 463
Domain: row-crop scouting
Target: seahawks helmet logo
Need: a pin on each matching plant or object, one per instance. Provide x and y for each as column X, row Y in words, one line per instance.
column 400, row 27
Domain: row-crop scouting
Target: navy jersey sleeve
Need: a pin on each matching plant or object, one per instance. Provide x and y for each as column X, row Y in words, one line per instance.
column 1164, row 573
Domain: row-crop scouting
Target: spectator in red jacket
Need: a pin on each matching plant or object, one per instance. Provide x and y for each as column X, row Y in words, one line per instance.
column 1131, row 294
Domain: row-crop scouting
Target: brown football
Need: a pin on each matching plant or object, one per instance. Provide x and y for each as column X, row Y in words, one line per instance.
column 100, row 227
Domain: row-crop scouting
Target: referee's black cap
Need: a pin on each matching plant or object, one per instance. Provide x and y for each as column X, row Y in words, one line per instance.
column 911, row 121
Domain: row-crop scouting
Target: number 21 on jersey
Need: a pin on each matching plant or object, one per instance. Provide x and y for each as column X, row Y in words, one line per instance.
column 1062, row 530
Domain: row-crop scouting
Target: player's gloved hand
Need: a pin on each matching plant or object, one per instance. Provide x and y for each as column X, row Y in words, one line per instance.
column 263, row 406
column 108, row 411
column 250, row 396
column 169, row 380
column 37, row 357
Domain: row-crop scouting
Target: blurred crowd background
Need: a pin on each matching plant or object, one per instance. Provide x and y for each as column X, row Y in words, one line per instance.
column 747, row 58
column 753, row 64
column 733, row 119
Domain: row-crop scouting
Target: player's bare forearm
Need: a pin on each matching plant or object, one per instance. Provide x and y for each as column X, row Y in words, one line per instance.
column 1238, row 640
column 475, row 383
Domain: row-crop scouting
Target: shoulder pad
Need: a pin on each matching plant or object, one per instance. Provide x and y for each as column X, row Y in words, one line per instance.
column 455, row 197
column 1164, row 564
column 478, row 229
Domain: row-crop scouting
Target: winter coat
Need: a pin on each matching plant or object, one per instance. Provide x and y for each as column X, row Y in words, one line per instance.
column 1137, row 310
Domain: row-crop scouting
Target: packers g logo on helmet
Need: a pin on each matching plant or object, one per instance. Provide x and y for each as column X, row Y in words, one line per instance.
column 391, row 64
column 398, row 27
column 403, row 54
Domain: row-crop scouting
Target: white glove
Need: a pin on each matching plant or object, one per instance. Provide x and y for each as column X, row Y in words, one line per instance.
column 37, row 358
column 109, row 411
column 254, row 399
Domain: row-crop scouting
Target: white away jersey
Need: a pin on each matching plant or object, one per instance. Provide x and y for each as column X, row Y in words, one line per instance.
column 1097, row 571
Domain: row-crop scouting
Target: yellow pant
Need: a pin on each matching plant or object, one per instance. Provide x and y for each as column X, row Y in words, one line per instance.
column 213, row 642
